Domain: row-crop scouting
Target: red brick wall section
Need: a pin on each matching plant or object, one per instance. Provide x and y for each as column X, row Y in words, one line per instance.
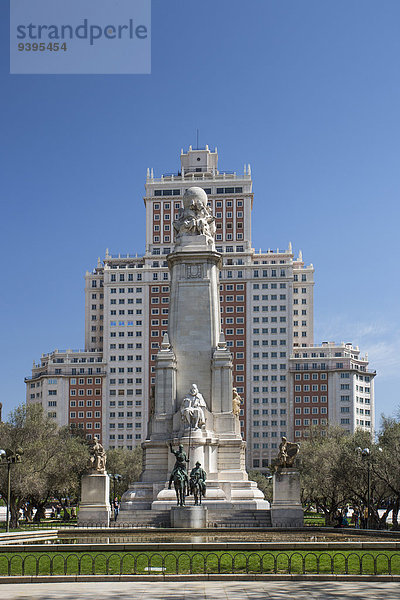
column 88, row 392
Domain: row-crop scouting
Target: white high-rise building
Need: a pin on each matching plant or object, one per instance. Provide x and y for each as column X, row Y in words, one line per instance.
column 331, row 383
column 266, row 309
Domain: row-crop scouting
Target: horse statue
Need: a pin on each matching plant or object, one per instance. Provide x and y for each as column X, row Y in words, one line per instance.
column 180, row 484
column 179, row 475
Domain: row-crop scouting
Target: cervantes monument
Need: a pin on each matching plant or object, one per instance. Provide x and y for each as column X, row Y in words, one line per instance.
column 195, row 404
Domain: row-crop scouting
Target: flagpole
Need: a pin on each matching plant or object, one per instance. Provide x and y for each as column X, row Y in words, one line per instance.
column 188, row 458
column 190, row 437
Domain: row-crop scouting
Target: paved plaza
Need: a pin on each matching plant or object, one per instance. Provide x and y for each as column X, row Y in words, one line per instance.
column 240, row 590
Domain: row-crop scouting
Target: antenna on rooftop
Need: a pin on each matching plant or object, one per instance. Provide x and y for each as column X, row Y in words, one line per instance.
column 197, row 139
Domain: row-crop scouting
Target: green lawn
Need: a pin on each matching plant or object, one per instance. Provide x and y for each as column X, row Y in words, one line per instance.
column 115, row 563
column 314, row 519
column 44, row 524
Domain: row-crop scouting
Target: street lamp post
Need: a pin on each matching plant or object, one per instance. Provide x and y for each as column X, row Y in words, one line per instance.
column 366, row 455
column 9, row 457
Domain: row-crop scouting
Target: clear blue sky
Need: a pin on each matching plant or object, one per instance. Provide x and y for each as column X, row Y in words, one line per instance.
column 306, row 91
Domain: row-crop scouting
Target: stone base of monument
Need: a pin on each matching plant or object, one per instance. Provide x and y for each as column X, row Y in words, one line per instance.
column 139, row 496
column 233, row 495
column 286, row 507
column 223, row 499
column 189, row 517
column 95, row 506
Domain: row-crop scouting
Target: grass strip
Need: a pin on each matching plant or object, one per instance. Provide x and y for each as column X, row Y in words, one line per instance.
column 128, row 563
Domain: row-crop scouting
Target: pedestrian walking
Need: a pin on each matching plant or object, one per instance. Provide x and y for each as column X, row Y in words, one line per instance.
column 116, row 508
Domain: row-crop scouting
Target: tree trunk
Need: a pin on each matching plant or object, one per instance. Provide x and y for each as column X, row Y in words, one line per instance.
column 395, row 513
column 40, row 513
column 382, row 519
column 14, row 514
column 330, row 517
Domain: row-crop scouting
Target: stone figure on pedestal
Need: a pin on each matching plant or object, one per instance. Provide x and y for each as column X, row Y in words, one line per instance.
column 98, row 457
column 95, row 488
column 287, row 453
column 286, row 507
column 196, row 217
column 192, row 409
column 236, row 401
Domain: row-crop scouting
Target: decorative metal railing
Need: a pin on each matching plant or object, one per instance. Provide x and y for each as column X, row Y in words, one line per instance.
column 36, row 564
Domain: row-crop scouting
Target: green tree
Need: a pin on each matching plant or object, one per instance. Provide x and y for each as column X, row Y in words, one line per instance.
column 51, row 465
column 387, row 467
column 128, row 464
column 335, row 472
column 321, row 468
column 264, row 483
column 355, row 476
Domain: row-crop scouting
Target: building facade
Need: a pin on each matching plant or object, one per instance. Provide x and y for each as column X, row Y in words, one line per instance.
column 70, row 386
column 331, row 384
column 266, row 310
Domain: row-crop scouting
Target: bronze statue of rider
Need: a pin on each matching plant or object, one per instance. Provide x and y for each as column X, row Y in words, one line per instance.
column 180, row 465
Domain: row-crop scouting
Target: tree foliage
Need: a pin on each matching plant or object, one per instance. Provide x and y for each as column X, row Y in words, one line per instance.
column 52, row 462
column 128, row 464
column 322, row 471
column 388, row 467
column 263, row 483
column 334, row 473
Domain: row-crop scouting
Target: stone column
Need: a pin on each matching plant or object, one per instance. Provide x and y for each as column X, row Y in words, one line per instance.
column 94, row 506
column 221, row 378
column 286, row 507
column 165, row 392
column 194, row 314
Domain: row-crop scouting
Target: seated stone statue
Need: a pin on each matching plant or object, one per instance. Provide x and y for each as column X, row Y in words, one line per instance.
column 192, row 412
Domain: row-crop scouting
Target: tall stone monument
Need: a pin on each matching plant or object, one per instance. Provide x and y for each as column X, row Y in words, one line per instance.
column 195, row 404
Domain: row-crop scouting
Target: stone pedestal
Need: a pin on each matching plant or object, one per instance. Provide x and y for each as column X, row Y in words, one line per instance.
column 189, row 517
column 286, row 507
column 95, row 506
